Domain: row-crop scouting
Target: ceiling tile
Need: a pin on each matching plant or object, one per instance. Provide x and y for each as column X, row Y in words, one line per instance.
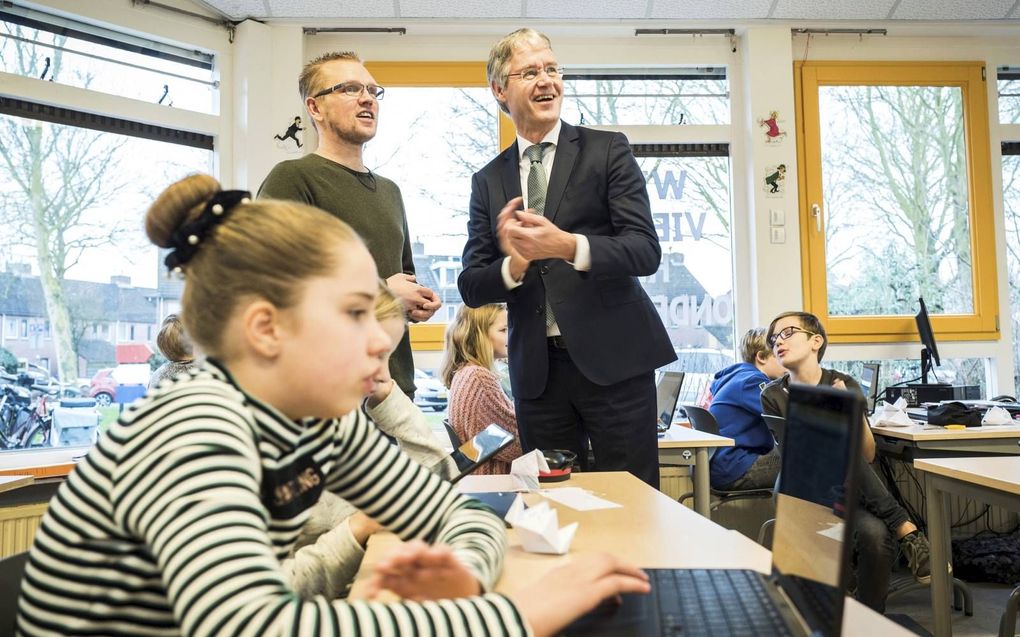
column 952, row 10
column 238, row 9
column 331, row 9
column 587, row 9
column 460, row 8
column 710, row 9
column 833, row 9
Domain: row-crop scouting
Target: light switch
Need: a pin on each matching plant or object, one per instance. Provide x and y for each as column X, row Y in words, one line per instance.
column 777, row 217
column 778, row 235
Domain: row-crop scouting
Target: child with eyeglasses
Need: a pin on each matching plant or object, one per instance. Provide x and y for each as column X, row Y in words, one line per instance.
column 798, row 340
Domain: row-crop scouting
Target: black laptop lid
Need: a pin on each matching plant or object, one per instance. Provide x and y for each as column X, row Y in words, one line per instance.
column 667, row 392
column 811, row 546
column 482, row 446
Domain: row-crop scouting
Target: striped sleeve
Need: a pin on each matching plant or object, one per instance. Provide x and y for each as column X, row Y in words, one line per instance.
column 190, row 492
column 413, row 502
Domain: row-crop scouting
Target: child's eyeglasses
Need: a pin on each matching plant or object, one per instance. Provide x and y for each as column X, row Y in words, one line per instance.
column 786, row 333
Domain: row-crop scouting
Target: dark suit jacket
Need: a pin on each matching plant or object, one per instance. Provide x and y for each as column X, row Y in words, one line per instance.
column 612, row 330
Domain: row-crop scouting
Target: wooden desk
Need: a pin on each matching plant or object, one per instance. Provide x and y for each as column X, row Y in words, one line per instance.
column 926, row 441
column 674, row 449
column 10, row 483
column 651, row 530
column 994, row 480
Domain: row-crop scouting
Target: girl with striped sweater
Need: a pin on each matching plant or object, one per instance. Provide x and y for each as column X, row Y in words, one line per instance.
column 176, row 521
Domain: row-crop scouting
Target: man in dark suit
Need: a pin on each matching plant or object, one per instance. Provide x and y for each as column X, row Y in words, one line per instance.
column 585, row 339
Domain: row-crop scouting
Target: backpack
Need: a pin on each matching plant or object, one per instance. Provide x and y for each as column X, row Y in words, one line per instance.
column 988, row 557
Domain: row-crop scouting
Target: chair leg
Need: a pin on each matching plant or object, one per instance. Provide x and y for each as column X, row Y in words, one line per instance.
column 1007, row 623
column 964, row 591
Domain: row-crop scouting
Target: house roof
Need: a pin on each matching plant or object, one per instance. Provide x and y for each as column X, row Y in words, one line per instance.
column 23, row 296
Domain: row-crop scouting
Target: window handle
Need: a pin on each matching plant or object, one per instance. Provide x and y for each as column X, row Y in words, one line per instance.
column 816, row 212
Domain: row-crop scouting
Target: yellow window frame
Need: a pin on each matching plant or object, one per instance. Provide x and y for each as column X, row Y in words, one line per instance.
column 983, row 324
column 429, row 336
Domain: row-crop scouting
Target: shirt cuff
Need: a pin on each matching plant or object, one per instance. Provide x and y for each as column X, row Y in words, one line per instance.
column 508, row 280
column 582, row 254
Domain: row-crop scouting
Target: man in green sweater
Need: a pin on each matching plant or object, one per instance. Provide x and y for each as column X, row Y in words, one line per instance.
column 342, row 99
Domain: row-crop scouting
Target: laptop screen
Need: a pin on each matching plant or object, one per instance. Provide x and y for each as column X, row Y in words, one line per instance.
column 820, row 458
column 482, row 446
column 667, row 392
column 869, row 384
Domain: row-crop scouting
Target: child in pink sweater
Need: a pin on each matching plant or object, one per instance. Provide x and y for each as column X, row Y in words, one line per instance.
column 474, row 341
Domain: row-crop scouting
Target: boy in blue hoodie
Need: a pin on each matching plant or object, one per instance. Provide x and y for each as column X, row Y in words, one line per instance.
column 753, row 461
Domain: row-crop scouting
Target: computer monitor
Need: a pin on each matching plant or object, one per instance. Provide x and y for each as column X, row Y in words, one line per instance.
column 929, row 351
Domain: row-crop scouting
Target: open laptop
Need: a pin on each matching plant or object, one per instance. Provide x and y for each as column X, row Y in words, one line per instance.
column 869, row 384
column 810, row 557
column 667, row 392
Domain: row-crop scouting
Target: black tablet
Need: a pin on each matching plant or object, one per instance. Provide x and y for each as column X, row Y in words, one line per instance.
column 482, row 446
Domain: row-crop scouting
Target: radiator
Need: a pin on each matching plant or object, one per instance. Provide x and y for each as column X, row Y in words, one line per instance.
column 676, row 481
column 962, row 511
column 17, row 527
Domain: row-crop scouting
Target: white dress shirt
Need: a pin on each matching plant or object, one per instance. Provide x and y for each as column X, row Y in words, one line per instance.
column 582, row 251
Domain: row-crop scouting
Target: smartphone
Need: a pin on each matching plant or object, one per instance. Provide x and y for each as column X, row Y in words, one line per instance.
column 483, row 445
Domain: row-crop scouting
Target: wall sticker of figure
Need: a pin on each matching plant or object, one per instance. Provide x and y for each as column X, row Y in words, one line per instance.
column 775, row 179
column 292, row 132
column 772, row 134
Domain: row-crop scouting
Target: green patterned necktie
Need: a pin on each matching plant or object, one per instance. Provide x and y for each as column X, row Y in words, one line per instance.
column 536, row 198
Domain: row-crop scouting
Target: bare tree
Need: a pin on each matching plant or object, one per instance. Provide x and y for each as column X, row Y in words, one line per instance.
column 56, row 178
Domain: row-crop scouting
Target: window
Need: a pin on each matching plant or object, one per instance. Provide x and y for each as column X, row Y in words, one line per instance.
column 594, row 97
column 1009, row 94
column 440, row 125
column 896, row 199
column 68, row 51
column 1011, row 206
column 955, row 371
column 72, row 186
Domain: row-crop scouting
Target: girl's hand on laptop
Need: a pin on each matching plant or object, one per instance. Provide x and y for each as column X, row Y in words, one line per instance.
column 419, row 571
column 569, row 591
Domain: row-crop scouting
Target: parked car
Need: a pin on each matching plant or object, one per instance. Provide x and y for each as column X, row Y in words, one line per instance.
column 429, row 393
column 130, row 378
column 103, row 387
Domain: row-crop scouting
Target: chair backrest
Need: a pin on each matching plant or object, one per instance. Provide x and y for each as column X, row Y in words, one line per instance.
column 11, row 570
column 777, row 425
column 701, row 419
column 454, row 438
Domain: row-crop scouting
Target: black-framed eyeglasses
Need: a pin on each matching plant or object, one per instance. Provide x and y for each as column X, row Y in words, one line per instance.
column 353, row 89
column 786, row 333
column 531, row 73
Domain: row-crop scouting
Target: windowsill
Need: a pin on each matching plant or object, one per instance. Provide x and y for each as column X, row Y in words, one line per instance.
column 42, row 463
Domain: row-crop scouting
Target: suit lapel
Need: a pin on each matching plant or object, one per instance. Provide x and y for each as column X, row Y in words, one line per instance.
column 511, row 173
column 566, row 153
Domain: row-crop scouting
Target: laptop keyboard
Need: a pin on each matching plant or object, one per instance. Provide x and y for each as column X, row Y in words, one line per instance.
column 719, row 603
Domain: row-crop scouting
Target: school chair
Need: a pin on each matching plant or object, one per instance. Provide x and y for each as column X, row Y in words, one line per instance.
column 703, row 420
column 12, row 568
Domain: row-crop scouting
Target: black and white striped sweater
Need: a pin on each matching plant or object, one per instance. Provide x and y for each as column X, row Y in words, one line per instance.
column 176, row 521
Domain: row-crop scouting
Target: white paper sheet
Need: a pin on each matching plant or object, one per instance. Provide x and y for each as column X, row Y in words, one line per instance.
column 577, row 498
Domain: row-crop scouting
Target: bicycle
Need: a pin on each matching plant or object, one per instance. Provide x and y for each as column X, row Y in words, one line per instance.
column 25, row 420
